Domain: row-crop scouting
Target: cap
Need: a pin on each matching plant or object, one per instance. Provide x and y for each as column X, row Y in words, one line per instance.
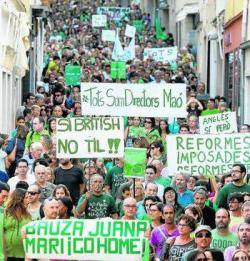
column 202, row 227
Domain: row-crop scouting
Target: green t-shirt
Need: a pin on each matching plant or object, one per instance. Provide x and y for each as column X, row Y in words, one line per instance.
column 223, row 194
column 12, row 232
column 1, row 233
column 114, row 179
column 98, row 206
column 164, row 181
column 34, row 136
column 136, row 132
column 152, row 136
column 222, row 242
column 209, row 112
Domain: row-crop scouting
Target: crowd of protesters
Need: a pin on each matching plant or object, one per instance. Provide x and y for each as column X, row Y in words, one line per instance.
column 191, row 217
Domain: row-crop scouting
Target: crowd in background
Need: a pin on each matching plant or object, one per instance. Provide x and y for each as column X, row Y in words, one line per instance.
column 191, row 217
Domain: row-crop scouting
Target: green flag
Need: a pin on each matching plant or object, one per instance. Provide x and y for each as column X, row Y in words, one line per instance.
column 73, row 75
column 121, row 70
column 159, row 33
column 118, row 70
column 135, row 162
column 146, row 254
column 139, row 25
column 113, row 70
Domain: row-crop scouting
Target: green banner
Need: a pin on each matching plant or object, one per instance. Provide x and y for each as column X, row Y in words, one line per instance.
column 158, row 30
column 84, row 239
column 118, row 70
column 73, row 75
column 135, row 162
column 139, row 25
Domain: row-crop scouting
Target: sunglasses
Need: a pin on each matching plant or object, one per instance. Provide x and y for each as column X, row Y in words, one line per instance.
column 148, row 121
column 32, row 193
column 152, row 148
column 203, row 235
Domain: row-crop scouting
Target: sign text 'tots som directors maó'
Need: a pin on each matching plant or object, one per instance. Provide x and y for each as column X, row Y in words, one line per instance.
column 144, row 100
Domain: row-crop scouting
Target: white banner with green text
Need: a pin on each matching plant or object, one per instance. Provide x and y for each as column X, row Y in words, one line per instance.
column 207, row 154
column 165, row 55
column 145, row 100
column 218, row 123
column 96, row 239
column 90, row 137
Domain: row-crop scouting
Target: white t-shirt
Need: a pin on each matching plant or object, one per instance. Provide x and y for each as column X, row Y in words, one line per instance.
column 14, row 180
column 3, row 155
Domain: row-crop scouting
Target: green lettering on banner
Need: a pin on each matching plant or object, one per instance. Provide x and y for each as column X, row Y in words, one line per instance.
column 113, row 245
column 77, row 249
column 129, row 229
column 67, row 146
column 89, row 245
column 54, row 246
column 67, row 239
column 42, row 246
column 65, row 228
column 42, row 228
column 207, row 154
column 135, row 162
column 73, row 75
column 30, row 245
column 78, row 228
column 123, row 244
column 133, row 246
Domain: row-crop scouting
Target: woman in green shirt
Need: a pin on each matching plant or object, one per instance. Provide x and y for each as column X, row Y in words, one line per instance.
column 15, row 217
column 133, row 131
column 152, row 134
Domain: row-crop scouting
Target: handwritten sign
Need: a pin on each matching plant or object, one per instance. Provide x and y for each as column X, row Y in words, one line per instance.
column 207, row 154
column 218, row 123
column 86, row 239
column 146, row 100
column 90, row 137
column 164, row 55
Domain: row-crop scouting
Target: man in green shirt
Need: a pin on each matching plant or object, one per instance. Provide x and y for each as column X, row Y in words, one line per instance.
column 238, row 185
column 36, row 133
column 221, row 236
column 210, row 108
column 95, row 203
column 115, row 178
column 4, row 191
column 164, row 181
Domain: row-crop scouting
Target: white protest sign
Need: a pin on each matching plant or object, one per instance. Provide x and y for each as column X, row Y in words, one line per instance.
column 146, row 100
column 99, row 20
column 86, row 239
column 207, row 154
column 90, row 137
column 130, row 31
column 114, row 13
column 218, row 123
column 164, row 55
column 108, row 35
column 120, row 54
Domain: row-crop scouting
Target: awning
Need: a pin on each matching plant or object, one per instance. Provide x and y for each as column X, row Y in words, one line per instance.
column 186, row 10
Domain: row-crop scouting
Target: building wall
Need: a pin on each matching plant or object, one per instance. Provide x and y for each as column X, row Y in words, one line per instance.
column 245, row 112
column 232, row 34
column 13, row 60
